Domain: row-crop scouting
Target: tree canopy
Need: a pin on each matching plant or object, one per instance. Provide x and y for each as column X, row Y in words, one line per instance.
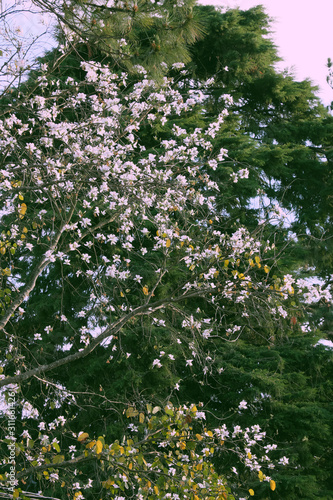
column 157, row 328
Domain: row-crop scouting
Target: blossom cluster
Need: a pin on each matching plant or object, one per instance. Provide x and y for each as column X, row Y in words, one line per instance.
column 103, row 188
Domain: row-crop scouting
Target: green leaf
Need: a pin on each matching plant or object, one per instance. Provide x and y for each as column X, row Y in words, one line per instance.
column 56, row 447
column 57, row 459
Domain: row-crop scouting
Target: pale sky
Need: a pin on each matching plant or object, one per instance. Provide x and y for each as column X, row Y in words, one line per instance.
column 302, row 32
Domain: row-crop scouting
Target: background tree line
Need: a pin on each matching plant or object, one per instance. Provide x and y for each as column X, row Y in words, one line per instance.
column 277, row 136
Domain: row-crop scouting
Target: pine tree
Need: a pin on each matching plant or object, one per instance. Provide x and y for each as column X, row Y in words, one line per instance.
column 151, row 34
column 169, row 352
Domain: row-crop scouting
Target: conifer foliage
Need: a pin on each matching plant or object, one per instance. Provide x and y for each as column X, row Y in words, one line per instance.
column 128, row 272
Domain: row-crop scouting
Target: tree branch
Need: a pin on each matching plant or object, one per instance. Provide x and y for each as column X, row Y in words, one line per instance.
column 111, row 330
column 34, row 276
column 65, row 463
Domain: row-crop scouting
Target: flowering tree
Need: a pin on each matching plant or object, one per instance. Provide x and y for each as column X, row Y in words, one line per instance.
column 86, row 196
column 114, row 237
column 135, row 236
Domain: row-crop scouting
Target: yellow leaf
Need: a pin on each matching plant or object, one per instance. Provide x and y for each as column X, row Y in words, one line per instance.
column 16, row 493
column 216, row 274
column 91, row 444
column 23, row 209
column 257, row 259
column 131, row 412
column 21, row 198
column 99, row 447
column 249, row 456
column 266, row 269
column 261, row 475
column 130, row 466
column 157, row 233
column 63, row 484
column 24, row 230
column 121, row 294
column 108, row 483
column 83, row 436
column 3, row 250
column 251, row 492
column 145, row 290
column 226, row 263
column 210, row 434
column 156, row 491
column 272, row 485
column 168, row 243
column 141, row 418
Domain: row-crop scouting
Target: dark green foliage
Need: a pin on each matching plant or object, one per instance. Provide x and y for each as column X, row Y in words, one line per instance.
column 288, row 388
column 279, row 130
